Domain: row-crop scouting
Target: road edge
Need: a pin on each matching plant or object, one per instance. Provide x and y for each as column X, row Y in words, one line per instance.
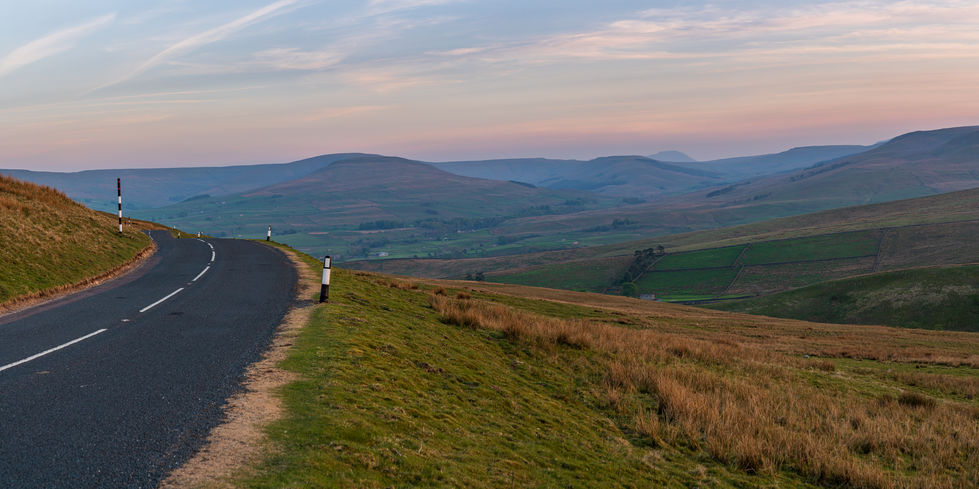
column 240, row 438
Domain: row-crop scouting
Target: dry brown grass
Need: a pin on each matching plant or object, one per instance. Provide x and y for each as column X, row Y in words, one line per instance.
column 773, row 335
column 742, row 394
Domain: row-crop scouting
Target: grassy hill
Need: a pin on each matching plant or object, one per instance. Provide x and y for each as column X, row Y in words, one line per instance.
column 464, row 384
column 368, row 205
column 49, row 242
column 932, row 298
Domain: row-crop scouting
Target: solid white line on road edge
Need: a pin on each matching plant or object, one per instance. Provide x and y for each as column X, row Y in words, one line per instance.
column 147, row 308
column 199, row 275
column 39, row 355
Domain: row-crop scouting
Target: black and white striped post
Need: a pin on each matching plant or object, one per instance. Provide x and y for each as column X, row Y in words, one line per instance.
column 268, row 237
column 119, row 193
column 325, row 288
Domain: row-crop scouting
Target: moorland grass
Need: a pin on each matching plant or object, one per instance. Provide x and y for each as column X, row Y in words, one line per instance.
column 49, row 242
column 464, row 384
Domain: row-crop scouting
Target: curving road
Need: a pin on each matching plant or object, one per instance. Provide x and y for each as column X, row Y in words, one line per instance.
column 118, row 385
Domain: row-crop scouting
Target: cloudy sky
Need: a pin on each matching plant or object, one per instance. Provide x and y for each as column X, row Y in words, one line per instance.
column 113, row 83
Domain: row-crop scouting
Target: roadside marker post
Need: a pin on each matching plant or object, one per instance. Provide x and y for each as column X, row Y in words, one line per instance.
column 325, row 288
column 268, row 237
column 119, row 194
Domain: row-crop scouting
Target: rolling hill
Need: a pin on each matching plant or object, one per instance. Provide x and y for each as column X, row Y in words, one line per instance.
column 654, row 176
column 637, row 177
column 748, row 260
column 158, row 187
column 366, row 203
column 50, row 242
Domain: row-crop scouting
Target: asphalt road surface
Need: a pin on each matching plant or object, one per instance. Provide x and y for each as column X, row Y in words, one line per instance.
column 119, row 385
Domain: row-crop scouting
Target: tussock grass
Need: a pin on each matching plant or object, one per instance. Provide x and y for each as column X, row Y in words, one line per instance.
column 49, row 243
column 754, row 408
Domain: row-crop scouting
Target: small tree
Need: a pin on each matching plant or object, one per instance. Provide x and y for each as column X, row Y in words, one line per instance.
column 629, row 289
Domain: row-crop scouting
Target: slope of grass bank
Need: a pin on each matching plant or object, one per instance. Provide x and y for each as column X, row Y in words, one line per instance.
column 933, row 298
column 490, row 385
column 48, row 241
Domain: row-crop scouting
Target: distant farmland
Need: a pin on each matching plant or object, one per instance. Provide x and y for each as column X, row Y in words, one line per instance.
column 766, row 267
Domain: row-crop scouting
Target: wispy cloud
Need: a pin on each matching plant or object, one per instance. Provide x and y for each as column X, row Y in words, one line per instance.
column 385, row 6
column 51, row 44
column 207, row 37
column 295, row 59
column 338, row 112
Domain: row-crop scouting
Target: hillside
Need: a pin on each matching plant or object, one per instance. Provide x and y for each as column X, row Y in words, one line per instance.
column 464, row 384
column 158, row 187
column 913, row 165
column 637, row 177
column 950, row 207
column 931, row 298
column 375, row 204
column 795, row 158
column 50, row 242
column 660, row 174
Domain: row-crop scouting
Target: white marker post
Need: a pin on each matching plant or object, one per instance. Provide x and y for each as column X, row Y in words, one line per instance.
column 268, row 237
column 325, row 288
column 119, row 193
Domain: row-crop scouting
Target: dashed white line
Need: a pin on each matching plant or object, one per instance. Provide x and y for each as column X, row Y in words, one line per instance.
column 212, row 256
column 199, row 275
column 52, row 350
column 147, row 308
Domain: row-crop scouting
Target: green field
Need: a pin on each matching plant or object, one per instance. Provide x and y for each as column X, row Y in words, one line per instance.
column 591, row 276
column 686, row 283
column 815, row 248
column 717, row 257
column 932, row 298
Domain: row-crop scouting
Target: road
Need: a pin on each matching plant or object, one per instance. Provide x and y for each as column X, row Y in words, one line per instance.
column 119, row 385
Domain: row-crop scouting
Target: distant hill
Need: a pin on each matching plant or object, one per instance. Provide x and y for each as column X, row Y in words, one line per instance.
column 50, row 242
column 751, row 166
column 157, row 187
column 932, row 298
column 374, row 204
column 644, row 177
column 623, row 176
column 673, row 157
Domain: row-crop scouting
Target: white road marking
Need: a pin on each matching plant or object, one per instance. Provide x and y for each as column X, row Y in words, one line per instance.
column 52, row 350
column 213, row 256
column 147, row 308
column 199, row 275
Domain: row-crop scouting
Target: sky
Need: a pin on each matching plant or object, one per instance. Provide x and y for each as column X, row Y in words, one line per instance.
column 113, row 83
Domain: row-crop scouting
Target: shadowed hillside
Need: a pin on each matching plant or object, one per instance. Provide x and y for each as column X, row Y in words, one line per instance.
column 48, row 241
column 157, row 187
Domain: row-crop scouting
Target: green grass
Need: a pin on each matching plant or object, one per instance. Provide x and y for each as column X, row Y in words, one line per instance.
column 591, row 276
column 718, row 257
column 686, row 283
column 393, row 397
column 48, row 241
column 932, row 298
column 814, row 248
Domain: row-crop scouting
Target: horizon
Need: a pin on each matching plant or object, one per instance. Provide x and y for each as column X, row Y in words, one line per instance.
column 110, row 85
